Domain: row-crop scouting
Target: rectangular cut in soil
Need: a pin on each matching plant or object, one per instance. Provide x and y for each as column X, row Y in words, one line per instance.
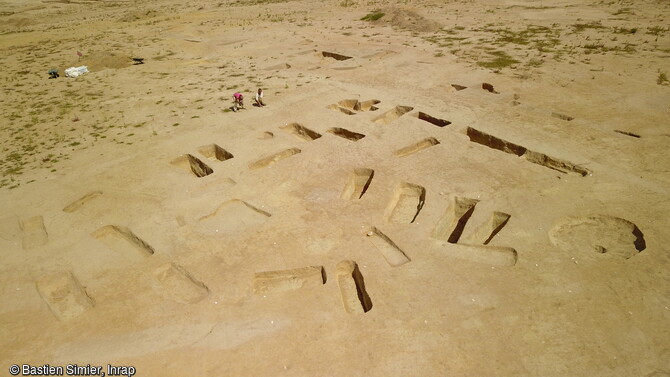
column 531, row 156
column 177, row 284
column 562, row 116
column 628, row 133
column 491, row 141
column 122, row 240
column 417, row 147
column 554, row 163
column 358, row 183
column 192, row 164
column 34, row 232
column 269, row 160
column 393, row 114
column 451, row 225
column 270, row 282
column 489, row 88
column 215, row 152
column 393, row 255
column 341, row 109
column 351, row 104
column 491, row 255
column 406, row 203
column 64, row 295
column 334, row 55
column 355, row 298
column 485, row 233
column 301, row 132
column 345, row 111
column 346, row 134
column 432, row 120
column 81, row 201
column 368, row 105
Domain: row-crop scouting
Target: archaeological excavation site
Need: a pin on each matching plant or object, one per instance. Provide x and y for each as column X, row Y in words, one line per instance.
column 425, row 188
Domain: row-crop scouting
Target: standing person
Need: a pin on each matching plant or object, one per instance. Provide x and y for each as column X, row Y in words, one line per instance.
column 259, row 98
column 237, row 101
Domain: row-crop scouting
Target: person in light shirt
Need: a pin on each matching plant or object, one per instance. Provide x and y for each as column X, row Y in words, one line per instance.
column 259, row 98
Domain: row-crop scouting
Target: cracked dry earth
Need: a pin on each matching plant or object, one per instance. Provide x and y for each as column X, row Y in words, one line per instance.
column 392, row 211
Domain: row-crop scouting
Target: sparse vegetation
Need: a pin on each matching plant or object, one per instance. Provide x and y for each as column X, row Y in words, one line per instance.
column 591, row 25
column 657, row 30
column 600, row 47
column 373, row 16
column 257, row 2
column 623, row 30
column 59, row 117
column 501, row 60
column 623, row 11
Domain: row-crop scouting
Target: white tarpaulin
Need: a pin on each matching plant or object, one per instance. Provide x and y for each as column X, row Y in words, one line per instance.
column 76, row 71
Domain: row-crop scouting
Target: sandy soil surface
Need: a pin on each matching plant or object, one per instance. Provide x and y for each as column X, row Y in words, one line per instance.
column 460, row 188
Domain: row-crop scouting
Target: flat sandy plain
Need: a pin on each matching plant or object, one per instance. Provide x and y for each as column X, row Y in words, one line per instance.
column 446, row 188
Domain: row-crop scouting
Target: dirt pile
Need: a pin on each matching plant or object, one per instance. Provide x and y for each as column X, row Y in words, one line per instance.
column 100, row 60
column 406, row 19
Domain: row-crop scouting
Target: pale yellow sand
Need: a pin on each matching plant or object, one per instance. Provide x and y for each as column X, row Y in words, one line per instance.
column 117, row 248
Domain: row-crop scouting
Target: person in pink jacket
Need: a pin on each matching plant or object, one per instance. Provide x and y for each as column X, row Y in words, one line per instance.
column 238, row 99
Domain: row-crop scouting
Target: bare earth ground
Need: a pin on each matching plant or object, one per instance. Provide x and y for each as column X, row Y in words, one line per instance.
column 516, row 229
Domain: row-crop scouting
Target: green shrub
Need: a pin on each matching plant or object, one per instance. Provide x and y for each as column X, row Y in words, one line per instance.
column 374, row 16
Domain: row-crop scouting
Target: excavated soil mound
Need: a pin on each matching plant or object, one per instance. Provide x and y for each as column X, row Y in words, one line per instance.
column 408, row 19
column 102, row 60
